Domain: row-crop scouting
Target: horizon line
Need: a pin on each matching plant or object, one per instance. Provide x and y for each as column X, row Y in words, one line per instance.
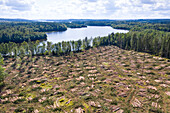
column 92, row 19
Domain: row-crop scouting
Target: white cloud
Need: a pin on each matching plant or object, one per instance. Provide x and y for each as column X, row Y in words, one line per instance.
column 147, row 1
column 1, row 2
column 97, row 9
column 20, row 5
column 92, row 0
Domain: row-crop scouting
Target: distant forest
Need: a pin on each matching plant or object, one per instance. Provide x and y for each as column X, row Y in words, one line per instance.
column 152, row 36
column 20, row 32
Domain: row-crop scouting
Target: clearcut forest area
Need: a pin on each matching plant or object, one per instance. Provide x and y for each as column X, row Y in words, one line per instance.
column 118, row 73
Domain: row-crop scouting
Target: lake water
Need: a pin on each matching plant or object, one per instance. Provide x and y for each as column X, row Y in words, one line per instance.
column 81, row 33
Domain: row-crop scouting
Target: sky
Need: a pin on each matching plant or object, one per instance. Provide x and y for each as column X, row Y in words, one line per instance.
column 85, row 9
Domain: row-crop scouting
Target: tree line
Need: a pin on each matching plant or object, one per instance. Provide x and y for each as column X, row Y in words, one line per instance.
column 150, row 36
column 19, row 32
column 74, row 25
column 137, row 26
column 31, row 48
column 134, row 25
column 150, row 41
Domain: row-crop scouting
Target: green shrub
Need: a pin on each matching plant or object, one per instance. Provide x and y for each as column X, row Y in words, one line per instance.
column 5, row 102
column 57, row 109
column 71, row 87
column 130, row 75
column 91, row 89
column 22, row 94
column 45, row 93
column 60, row 93
column 126, row 110
column 152, row 91
column 161, row 68
column 47, row 102
column 57, row 88
column 10, row 87
column 34, row 100
column 30, row 110
column 19, row 100
column 105, row 108
column 19, row 109
column 37, row 88
column 155, row 110
column 126, row 65
column 114, row 102
column 103, row 78
column 113, row 94
column 151, row 73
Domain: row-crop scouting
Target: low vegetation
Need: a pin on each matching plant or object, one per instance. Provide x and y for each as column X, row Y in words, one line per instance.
column 103, row 79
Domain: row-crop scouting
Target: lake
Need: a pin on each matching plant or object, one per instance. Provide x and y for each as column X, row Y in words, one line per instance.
column 81, row 33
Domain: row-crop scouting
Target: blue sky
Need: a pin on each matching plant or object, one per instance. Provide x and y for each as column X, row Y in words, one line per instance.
column 85, row 9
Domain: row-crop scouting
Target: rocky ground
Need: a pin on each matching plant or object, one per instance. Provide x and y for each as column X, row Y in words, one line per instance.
column 104, row 79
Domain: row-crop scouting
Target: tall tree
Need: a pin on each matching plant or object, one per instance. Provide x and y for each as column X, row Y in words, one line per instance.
column 22, row 52
column 79, row 44
column 49, row 47
column 64, row 47
column 15, row 52
column 73, row 45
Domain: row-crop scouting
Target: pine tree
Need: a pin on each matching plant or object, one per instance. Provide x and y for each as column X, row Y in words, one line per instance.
column 15, row 52
column 72, row 45
column 79, row 45
column 49, row 46
column 22, row 52
column 64, row 47
column 30, row 54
